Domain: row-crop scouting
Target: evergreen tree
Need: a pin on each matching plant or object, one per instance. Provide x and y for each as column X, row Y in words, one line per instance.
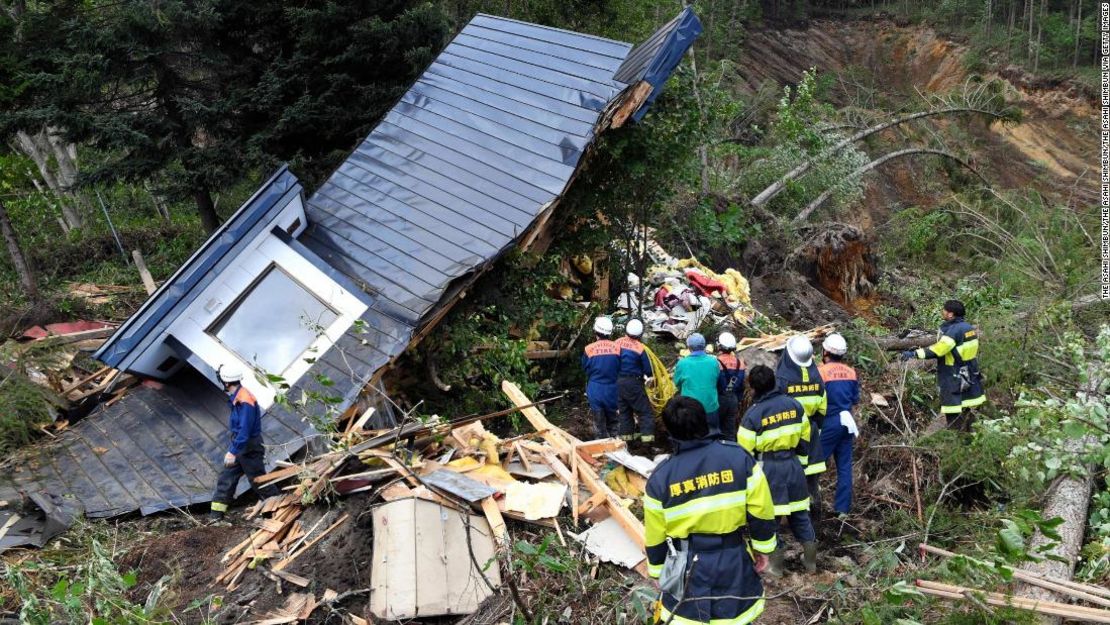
column 196, row 93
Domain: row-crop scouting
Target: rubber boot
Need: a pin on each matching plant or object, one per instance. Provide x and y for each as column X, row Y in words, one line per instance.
column 775, row 561
column 809, row 557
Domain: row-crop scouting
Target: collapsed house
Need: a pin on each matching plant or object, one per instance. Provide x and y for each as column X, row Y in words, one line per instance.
column 320, row 295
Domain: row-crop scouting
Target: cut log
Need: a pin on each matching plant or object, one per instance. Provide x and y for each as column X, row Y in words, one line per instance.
column 1069, row 501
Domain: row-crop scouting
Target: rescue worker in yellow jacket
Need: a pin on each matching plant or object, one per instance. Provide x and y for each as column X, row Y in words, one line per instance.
column 958, row 375
column 776, row 430
column 696, row 505
column 798, row 376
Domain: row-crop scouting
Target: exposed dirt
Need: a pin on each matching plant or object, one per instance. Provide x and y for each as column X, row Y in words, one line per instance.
column 877, row 62
column 189, row 556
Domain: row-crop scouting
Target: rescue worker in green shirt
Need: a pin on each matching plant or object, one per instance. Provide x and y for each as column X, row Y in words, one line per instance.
column 799, row 377
column 957, row 354
column 696, row 376
column 776, row 430
column 696, row 506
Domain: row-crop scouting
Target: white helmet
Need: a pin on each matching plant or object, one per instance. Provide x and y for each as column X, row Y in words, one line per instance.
column 800, row 350
column 230, row 373
column 635, row 327
column 726, row 340
column 603, row 325
column 835, row 344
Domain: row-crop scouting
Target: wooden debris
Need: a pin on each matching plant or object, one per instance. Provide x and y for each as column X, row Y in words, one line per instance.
column 1052, row 608
column 1083, row 592
column 564, row 445
column 286, row 562
column 144, row 273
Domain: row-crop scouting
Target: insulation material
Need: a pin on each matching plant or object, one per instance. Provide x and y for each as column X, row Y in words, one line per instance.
column 535, row 501
column 610, row 543
column 422, row 565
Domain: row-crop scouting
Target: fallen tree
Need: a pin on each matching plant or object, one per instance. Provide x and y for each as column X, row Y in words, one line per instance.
column 978, row 100
column 820, row 199
column 1069, row 501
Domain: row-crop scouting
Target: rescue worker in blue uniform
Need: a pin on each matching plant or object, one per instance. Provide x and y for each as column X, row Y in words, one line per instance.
column 602, row 362
column 799, row 378
column 776, row 430
column 957, row 354
column 632, row 399
column 245, row 453
column 698, row 501
column 840, row 431
column 730, row 384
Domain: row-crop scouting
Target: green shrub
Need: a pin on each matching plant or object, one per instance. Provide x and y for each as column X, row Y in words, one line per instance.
column 24, row 408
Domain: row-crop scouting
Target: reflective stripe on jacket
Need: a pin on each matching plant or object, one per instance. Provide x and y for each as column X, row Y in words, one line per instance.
column 806, row 386
column 776, row 429
column 705, row 493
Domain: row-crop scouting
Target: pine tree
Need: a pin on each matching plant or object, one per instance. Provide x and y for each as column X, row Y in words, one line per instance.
column 198, row 93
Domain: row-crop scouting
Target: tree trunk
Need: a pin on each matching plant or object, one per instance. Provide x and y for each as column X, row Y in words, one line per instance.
column 1029, row 8
column 39, row 147
column 816, row 203
column 1040, row 34
column 989, row 16
column 1010, row 33
column 777, row 187
column 1078, row 25
column 31, row 146
column 1069, row 501
column 19, row 261
column 207, row 209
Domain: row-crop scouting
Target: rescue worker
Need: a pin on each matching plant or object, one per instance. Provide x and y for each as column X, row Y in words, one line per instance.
column 840, row 431
column 602, row 362
column 698, row 501
column 799, row 378
column 957, row 354
column 776, row 430
column 245, row 453
column 730, row 384
column 696, row 376
column 632, row 399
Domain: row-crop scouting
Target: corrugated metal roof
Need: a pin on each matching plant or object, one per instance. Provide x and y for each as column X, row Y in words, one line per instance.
column 487, row 138
column 654, row 60
column 482, row 142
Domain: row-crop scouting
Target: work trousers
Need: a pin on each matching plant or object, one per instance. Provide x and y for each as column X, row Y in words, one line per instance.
column 633, row 406
column 729, row 407
column 606, row 421
column 249, row 462
column 713, row 420
column 801, row 526
column 837, row 442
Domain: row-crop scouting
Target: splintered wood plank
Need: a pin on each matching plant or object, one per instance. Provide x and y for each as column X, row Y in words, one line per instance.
column 496, row 521
column 433, row 590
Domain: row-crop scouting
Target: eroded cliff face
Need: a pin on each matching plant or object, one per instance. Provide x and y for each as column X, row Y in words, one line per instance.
column 882, row 66
column 879, row 66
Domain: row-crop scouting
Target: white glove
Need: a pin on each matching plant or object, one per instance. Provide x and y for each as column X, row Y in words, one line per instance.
column 847, row 421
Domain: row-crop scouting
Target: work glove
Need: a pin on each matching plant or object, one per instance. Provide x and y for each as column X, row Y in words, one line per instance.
column 909, row 354
column 229, row 459
column 848, row 422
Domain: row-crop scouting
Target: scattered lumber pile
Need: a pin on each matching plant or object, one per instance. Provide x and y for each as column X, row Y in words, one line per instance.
column 1079, row 592
column 775, row 342
column 444, row 478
